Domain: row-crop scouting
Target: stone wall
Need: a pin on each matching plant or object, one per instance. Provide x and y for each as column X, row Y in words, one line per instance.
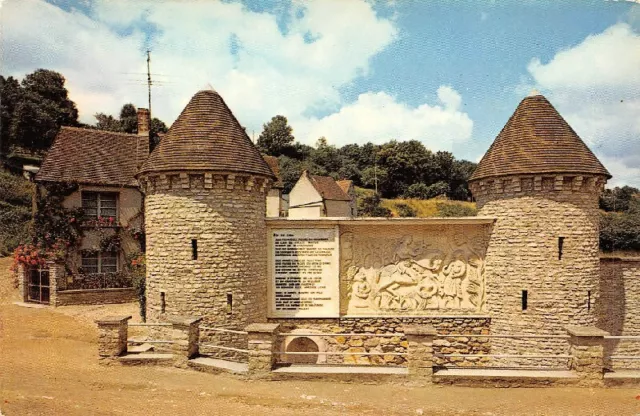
column 395, row 344
column 95, row 296
column 224, row 215
column 533, row 213
column 618, row 308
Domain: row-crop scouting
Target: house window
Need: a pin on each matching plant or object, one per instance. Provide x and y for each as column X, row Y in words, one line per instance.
column 99, row 204
column 100, row 263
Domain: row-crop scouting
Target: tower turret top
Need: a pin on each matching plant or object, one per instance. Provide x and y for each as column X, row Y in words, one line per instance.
column 537, row 140
column 206, row 137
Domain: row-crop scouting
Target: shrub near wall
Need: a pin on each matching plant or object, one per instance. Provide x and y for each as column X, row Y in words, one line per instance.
column 15, row 211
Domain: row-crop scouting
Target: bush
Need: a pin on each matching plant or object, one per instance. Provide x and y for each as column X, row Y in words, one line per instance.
column 620, row 231
column 369, row 206
column 423, row 191
column 405, row 210
column 15, row 212
column 450, row 209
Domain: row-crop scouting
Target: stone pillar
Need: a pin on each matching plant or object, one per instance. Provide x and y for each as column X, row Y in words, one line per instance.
column 420, row 351
column 185, row 333
column 112, row 336
column 23, row 282
column 56, row 271
column 587, row 353
column 262, row 349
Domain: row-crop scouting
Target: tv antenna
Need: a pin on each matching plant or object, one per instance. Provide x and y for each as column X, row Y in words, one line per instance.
column 149, row 84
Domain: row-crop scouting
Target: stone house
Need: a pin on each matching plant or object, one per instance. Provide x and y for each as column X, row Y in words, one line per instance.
column 103, row 165
column 316, row 196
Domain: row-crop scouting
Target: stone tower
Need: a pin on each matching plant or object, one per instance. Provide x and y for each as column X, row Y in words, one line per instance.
column 542, row 183
column 205, row 186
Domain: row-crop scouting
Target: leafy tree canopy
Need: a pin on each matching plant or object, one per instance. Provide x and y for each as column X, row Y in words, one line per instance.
column 33, row 111
column 277, row 137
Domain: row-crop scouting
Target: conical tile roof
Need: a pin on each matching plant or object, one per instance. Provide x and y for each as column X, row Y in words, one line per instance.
column 537, row 140
column 206, row 136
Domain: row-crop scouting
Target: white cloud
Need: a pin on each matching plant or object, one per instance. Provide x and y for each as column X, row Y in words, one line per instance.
column 596, row 87
column 258, row 68
column 378, row 117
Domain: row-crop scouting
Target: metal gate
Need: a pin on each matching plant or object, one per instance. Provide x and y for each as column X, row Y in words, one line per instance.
column 38, row 285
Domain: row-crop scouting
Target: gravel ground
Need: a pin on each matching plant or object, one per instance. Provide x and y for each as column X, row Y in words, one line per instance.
column 49, row 366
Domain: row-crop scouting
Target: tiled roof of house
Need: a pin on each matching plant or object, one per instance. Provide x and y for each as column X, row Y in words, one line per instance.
column 272, row 161
column 206, row 136
column 328, row 188
column 94, row 157
column 537, row 140
column 345, row 184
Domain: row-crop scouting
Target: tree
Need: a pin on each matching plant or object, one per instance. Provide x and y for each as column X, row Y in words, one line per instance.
column 405, row 164
column 10, row 93
column 128, row 123
column 129, row 118
column 108, row 123
column 277, row 137
column 157, row 127
column 617, row 199
column 43, row 107
column 327, row 158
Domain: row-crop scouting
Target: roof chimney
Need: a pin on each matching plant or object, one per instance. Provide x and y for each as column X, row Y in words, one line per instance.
column 144, row 124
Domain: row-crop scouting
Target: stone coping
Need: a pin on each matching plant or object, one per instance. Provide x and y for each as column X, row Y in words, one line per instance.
column 328, row 221
column 183, row 320
column 262, row 328
column 109, row 289
column 113, row 320
column 585, row 331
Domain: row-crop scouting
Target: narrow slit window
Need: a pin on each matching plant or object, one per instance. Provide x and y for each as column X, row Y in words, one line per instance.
column 229, row 303
column 194, row 249
column 588, row 300
column 560, row 247
column 525, row 300
column 163, row 303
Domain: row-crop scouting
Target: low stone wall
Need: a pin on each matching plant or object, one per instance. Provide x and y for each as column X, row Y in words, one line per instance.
column 95, row 296
column 618, row 308
column 393, row 344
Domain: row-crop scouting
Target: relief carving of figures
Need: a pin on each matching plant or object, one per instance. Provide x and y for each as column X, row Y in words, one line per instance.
column 415, row 275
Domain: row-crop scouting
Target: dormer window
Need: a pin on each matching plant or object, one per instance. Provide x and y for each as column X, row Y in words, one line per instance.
column 100, row 205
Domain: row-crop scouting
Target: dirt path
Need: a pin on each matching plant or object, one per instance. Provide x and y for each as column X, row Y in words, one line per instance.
column 49, row 366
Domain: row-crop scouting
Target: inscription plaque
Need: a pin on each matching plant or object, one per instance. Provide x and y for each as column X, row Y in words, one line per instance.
column 304, row 273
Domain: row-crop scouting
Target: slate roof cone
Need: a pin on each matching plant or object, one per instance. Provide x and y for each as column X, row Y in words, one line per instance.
column 537, row 140
column 206, row 136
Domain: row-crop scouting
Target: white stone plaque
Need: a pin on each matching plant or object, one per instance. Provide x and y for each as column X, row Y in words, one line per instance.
column 304, row 275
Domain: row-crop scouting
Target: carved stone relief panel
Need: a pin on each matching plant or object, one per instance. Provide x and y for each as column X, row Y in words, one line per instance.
column 412, row 270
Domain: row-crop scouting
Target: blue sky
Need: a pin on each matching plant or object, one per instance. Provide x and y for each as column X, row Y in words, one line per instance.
column 448, row 73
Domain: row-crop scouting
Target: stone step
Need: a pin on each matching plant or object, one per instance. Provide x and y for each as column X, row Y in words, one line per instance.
column 137, row 349
column 146, row 359
column 622, row 378
column 348, row 373
column 485, row 377
column 216, row 365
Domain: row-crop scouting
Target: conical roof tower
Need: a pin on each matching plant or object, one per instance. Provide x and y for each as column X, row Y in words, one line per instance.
column 205, row 189
column 541, row 183
column 206, row 136
column 537, row 140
